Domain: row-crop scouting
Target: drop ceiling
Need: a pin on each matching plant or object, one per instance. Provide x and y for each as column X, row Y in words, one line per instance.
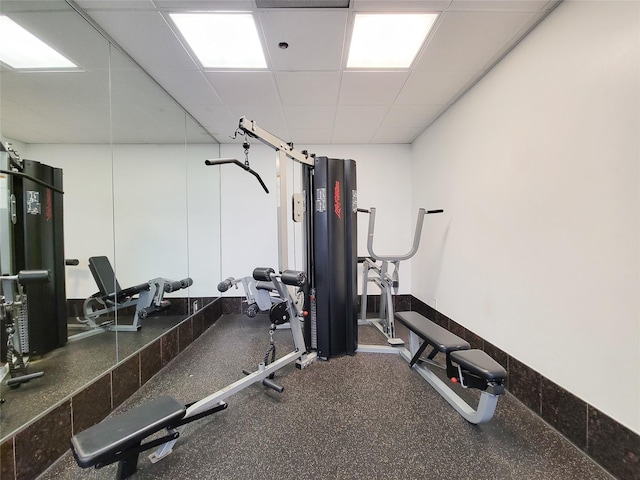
column 306, row 95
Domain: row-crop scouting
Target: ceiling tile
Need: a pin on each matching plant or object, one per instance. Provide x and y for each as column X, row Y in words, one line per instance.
column 470, row 40
column 352, row 136
column 434, row 88
column 316, row 39
column 159, row 44
column 396, row 135
column 400, row 5
column 371, row 88
column 309, row 136
column 309, row 117
column 499, row 5
column 410, row 116
column 366, row 117
column 308, row 88
column 189, row 88
column 244, row 88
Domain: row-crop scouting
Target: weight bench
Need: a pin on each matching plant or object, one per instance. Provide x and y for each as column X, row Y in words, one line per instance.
column 471, row 368
column 148, row 298
column 119, row 438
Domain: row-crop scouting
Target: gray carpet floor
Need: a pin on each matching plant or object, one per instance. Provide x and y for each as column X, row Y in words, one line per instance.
column 366, row 416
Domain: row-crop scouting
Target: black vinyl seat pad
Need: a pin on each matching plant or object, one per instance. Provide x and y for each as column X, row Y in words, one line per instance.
column 432, row 333
column 104, row 440
column 479, row 363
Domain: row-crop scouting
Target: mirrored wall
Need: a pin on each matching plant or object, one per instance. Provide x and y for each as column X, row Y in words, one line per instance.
column 137, row 198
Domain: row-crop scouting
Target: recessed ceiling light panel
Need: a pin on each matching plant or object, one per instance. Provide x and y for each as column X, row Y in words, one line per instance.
column 222, row 40
column 388, row 40
column 20, row 49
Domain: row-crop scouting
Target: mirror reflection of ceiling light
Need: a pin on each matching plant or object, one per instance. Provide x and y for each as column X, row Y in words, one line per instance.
column 222, row 40
column 21, row 49
column 388, row 40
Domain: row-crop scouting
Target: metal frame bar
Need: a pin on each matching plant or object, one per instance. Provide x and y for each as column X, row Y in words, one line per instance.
column 486, row 405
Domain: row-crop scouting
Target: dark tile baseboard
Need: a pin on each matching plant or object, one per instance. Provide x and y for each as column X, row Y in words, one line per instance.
column 33, row 448
column 610, row 444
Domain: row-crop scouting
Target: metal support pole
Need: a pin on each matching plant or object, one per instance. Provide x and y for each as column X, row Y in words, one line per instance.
column 281, row 188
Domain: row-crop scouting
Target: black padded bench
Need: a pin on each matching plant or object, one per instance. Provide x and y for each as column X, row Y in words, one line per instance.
column 432, row 334
column 105, row 278
column 119, row 439
column 471, row 367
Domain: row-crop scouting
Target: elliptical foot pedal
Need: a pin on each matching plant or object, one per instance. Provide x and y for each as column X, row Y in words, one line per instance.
column 395, row 342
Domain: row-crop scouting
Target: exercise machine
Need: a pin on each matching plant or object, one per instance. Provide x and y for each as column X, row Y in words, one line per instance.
column 386, row 276
column 464, row 367
column 31, row 238
column 326, row 209
column 14, row 321
column 120, row 438
column 147, row 298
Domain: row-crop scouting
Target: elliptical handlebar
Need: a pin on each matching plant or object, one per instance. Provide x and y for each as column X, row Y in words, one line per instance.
column 416, row 236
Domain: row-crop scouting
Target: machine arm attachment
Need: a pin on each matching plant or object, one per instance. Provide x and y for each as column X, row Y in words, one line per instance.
column 244, row 166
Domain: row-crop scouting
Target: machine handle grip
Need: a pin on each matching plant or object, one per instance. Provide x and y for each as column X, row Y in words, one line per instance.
column 225, row 285
column 363, row 210
column 223, row 161
column 34, row 276
column 293, row 277
column 177, row 285
column 263, row 273
column 72, row 262
column 435, row 211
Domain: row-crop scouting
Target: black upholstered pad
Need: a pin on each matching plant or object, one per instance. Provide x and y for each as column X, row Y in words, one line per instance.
column 432, row 333
column 480, row 364
column 104, row 440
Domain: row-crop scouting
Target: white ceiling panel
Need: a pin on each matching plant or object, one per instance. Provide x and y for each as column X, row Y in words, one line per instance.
column 147, row 37
column 355, row 135
column 308, row 88
column 308, row 117
column 400, row 5
column 410, row 116
column 500, row 5
column 396, row 135
column 305, row 94
column 371, row 88
column 362, row 117
column 471, row 40
column 310, row 136
column 116, row 4
column 434, row 87
column 61, row 30
column 244, row 88
column 316, row 39
column 189, row 88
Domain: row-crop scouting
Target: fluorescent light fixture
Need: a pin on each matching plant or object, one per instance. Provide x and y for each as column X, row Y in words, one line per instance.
column 21, row 49
column 388, row 40
column 222, row 40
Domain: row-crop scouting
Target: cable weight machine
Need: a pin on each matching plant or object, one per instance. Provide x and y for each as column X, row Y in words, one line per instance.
column 326, row 208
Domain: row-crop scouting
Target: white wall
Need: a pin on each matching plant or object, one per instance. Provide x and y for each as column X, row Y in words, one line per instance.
column 537, row 169
column 156, row 210
column 249, row 221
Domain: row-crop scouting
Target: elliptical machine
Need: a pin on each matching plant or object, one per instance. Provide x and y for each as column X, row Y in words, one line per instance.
column 386, row 276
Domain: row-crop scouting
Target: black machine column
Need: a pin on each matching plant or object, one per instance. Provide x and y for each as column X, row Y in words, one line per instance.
column 37, row 243
column 330, row 242
column 334, row 253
